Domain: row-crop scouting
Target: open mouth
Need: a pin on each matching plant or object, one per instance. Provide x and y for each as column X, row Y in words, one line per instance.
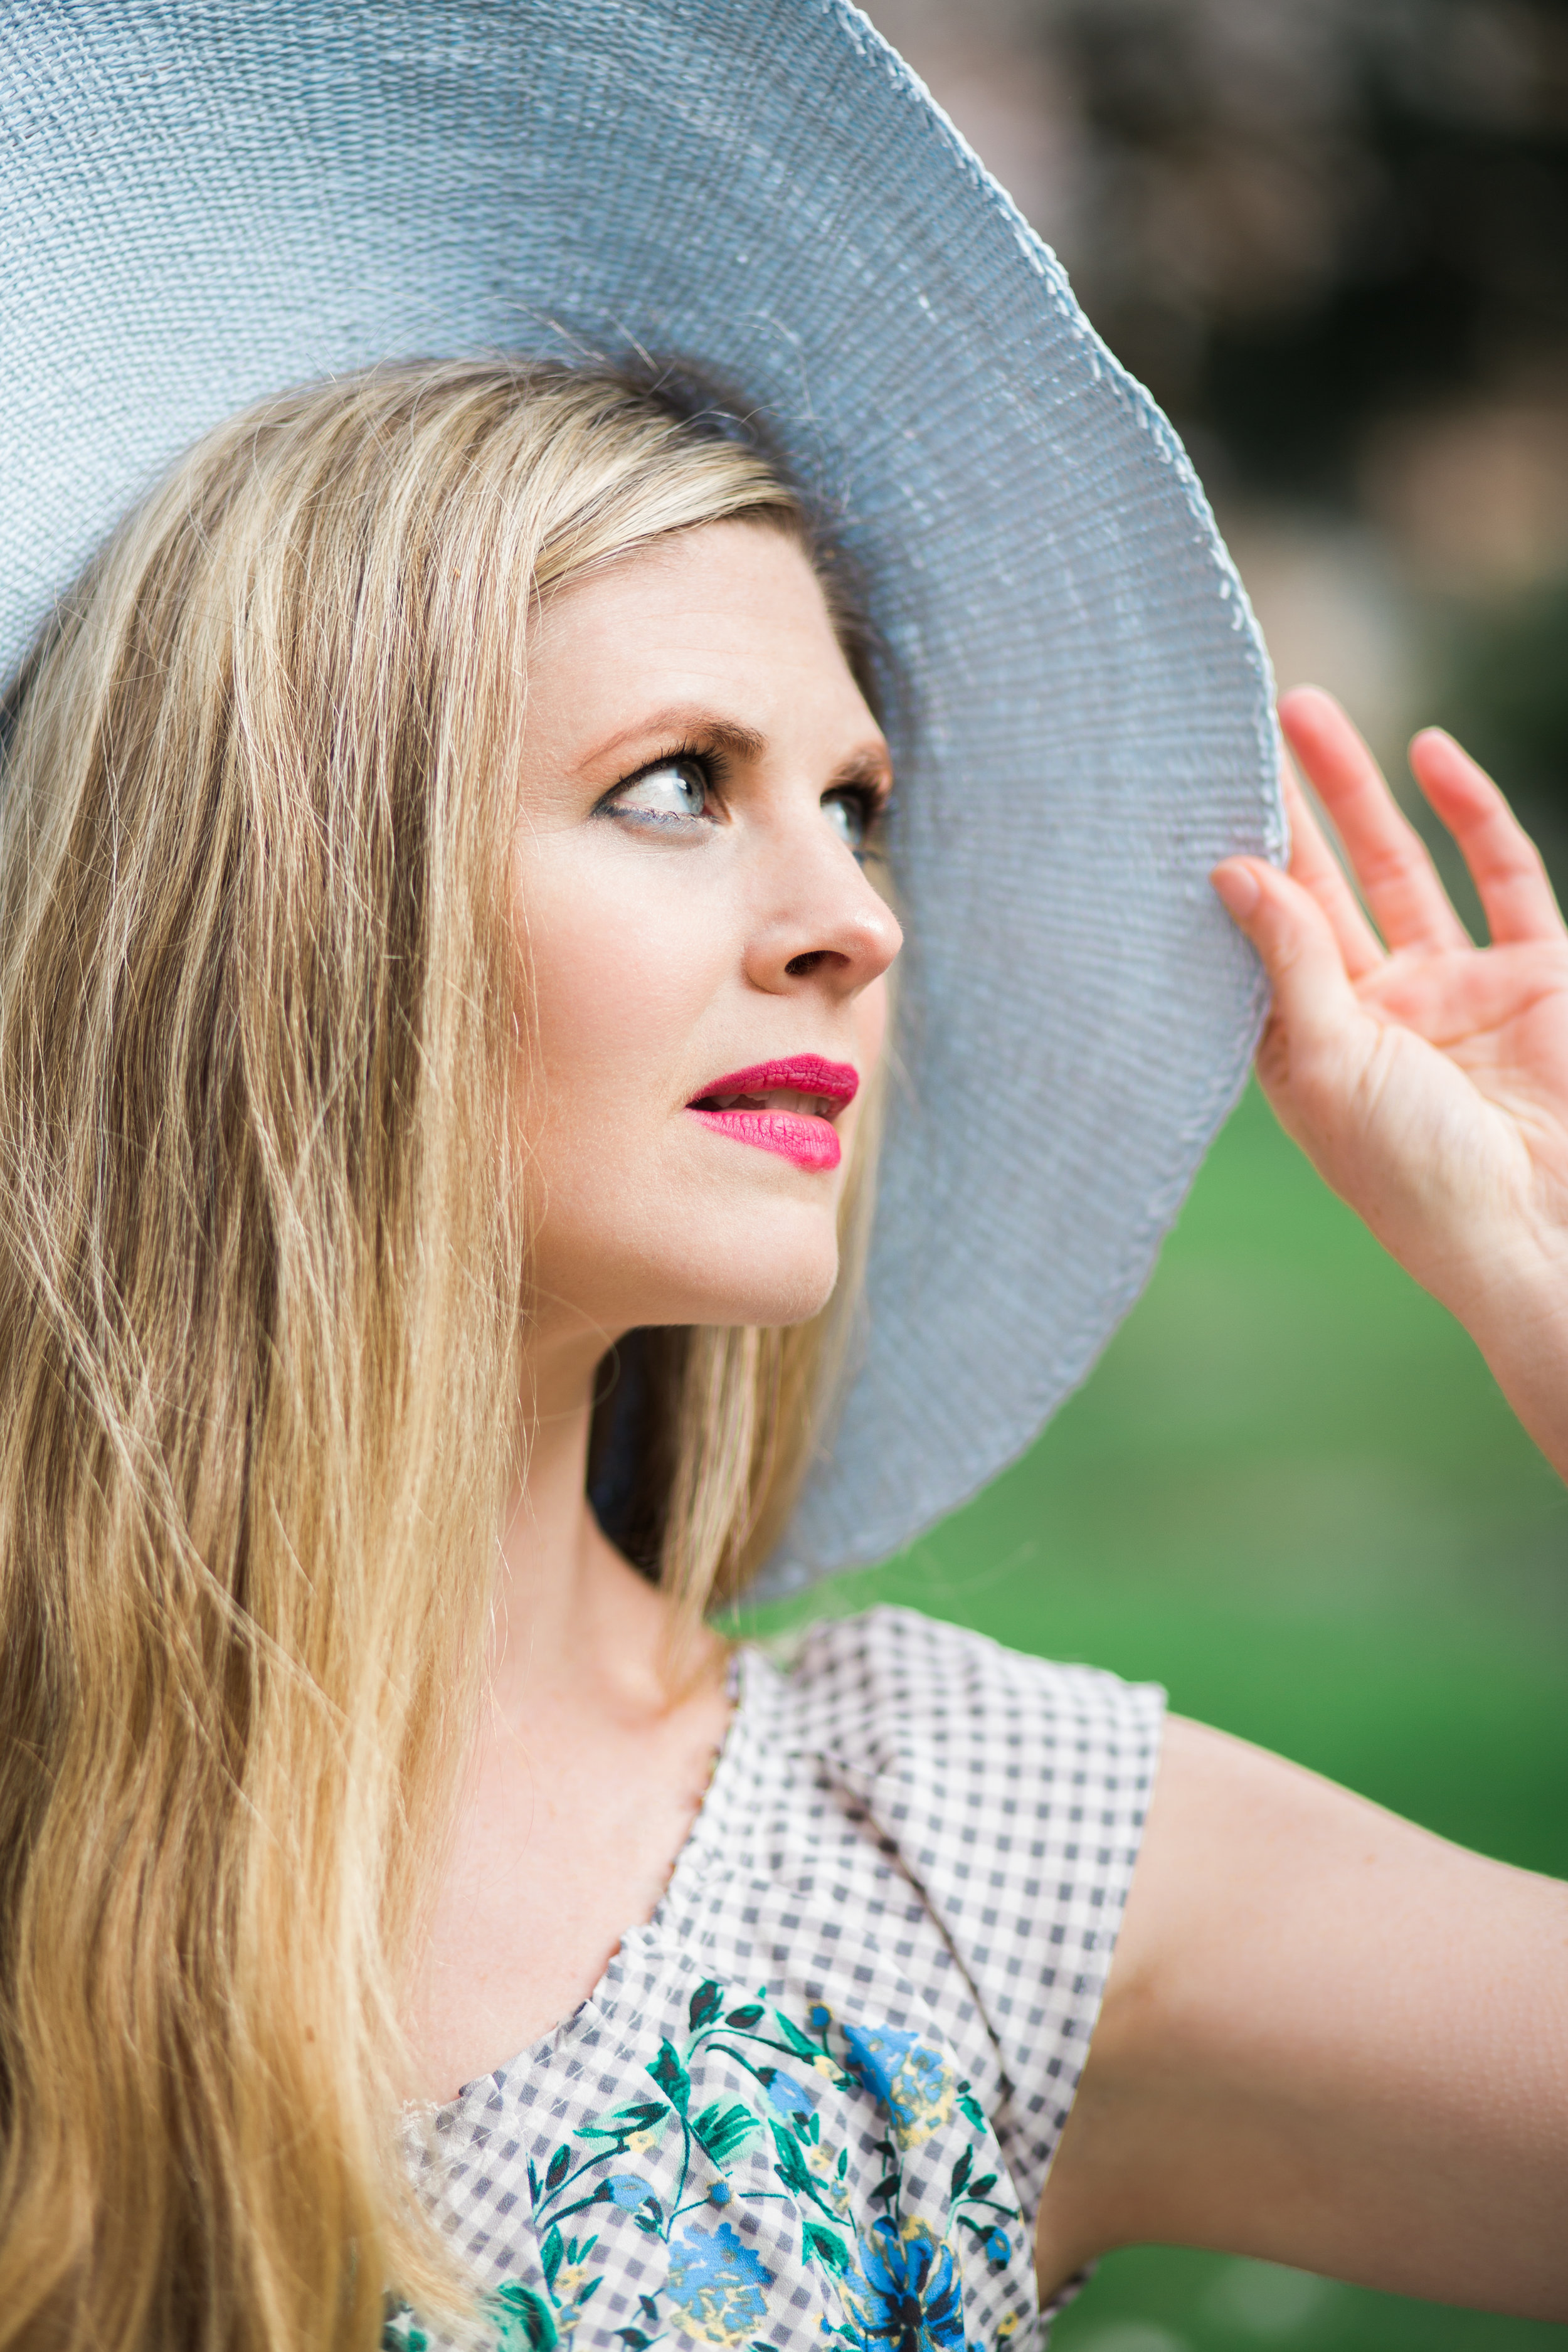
column 787, row 1107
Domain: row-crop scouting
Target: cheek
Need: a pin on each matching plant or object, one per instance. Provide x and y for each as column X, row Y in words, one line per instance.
column 613, row 986
column 640, row 1219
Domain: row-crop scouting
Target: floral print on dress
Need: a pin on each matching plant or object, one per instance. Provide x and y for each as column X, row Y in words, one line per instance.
column 905, row 2292
column 692, row 2176
column 716, row 2287
column 916, row 2084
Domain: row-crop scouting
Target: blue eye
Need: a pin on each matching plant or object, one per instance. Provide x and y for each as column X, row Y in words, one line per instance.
column 851, row 816
column 676, row 791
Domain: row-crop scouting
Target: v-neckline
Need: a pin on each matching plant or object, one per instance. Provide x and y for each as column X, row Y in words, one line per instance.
column 685, row 1872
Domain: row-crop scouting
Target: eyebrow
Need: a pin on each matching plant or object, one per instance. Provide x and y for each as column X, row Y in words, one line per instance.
column 688, row 719
column 870, row 767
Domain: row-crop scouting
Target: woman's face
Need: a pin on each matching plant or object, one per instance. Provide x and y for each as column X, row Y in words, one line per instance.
column 706, row 954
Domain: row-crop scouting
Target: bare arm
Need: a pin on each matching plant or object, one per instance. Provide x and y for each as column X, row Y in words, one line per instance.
column 1330, row 2038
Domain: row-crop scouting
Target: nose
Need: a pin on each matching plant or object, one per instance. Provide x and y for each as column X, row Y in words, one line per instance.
column 820, row 922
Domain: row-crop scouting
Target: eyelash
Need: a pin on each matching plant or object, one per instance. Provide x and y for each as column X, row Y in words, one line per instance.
column 716, row 768
column 873, row 807
column 707, row 757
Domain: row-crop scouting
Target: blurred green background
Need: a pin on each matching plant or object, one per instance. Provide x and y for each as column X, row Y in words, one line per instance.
column 1291, row 1493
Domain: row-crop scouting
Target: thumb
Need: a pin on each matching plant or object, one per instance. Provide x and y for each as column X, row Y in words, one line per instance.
column 1313, row 1000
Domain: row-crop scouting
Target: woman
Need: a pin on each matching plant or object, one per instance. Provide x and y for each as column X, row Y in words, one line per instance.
column 442, row 936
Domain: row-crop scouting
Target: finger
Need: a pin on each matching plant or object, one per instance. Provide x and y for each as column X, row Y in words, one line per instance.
column 1504, row 862
column 1315, row 866
column 1398, row 880
column 1313, row 1000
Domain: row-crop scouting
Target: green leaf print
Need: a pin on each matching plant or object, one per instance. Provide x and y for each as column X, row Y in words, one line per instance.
column 550, row 2254
column 796, row 2038
column 558, row 2167
column 822, row 2246
column 400, row 2332
column 744, row 2018
column 527, row 2323
column 706, row 2002
column 671, row 2077
column 624, row 2124
column 721, row 2129
column 791, row 2169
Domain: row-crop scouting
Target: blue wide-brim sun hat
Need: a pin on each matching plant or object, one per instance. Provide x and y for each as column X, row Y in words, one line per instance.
column 208, row 201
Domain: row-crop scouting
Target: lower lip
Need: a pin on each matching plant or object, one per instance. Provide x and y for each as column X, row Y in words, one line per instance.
column 809, row 1143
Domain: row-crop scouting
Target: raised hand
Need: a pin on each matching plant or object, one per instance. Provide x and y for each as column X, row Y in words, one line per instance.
column 1426, row 1078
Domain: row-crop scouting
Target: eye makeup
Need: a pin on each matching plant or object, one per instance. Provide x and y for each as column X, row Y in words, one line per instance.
column 676, row 789
column 685, row 786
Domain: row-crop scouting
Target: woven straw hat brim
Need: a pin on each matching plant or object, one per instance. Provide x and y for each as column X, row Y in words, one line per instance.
column 202, row 204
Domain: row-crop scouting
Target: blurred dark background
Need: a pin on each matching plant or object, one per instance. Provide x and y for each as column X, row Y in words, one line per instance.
column 1332, row 236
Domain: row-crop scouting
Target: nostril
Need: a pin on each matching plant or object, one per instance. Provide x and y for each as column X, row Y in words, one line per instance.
column 801, row 965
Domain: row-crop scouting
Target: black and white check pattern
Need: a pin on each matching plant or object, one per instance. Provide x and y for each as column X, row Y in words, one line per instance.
column 910, row 1828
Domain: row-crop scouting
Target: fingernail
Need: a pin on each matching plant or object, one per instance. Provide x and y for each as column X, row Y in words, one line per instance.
column 1238, row 890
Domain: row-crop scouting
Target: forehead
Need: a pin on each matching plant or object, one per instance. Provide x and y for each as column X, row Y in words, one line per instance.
column 735, row 603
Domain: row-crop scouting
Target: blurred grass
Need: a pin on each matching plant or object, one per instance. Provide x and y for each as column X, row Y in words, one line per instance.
column 1292, row 1493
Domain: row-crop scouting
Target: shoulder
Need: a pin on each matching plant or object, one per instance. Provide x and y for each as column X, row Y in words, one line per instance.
column 1005, row 1797
column 890, row 1692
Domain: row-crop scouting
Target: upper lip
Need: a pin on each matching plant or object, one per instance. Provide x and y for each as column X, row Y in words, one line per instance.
column 828, row 1085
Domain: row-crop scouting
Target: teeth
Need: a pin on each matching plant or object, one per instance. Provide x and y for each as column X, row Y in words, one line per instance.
column 812, row 1105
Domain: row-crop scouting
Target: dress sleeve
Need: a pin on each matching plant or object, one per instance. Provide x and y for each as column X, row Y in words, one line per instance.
column 1012, row 1794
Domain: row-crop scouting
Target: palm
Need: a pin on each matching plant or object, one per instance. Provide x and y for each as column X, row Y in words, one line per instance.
column 1426, row 1077
column 1501, row 1014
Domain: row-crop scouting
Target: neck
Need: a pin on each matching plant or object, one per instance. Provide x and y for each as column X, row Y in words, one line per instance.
column 571, row 1614
column 588, row 1763
column 551, row 1543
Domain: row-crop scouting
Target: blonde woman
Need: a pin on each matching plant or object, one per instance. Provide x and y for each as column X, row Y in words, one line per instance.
column 450, row 889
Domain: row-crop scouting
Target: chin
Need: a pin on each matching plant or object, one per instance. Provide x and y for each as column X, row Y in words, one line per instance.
column 678, row 1260
column 777, row 1308
column 769, row 1294
column 747, row 1277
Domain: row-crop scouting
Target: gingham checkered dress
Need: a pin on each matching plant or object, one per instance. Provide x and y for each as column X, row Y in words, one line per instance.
column 812, row 2101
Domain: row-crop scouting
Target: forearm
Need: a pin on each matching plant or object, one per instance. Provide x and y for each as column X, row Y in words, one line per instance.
column 1476, row 1242
column 1518, row 1320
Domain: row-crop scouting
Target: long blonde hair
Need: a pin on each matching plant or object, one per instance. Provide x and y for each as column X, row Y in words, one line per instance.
column 260, row 1328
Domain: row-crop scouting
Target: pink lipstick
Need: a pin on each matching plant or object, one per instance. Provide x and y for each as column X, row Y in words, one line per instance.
column 787, row 1107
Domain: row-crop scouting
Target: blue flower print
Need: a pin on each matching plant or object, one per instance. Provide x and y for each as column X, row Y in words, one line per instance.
column 786, row 2094
column 626, row 2190
column 915, row 2083
column 716, row 2284
column 907, row 2294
